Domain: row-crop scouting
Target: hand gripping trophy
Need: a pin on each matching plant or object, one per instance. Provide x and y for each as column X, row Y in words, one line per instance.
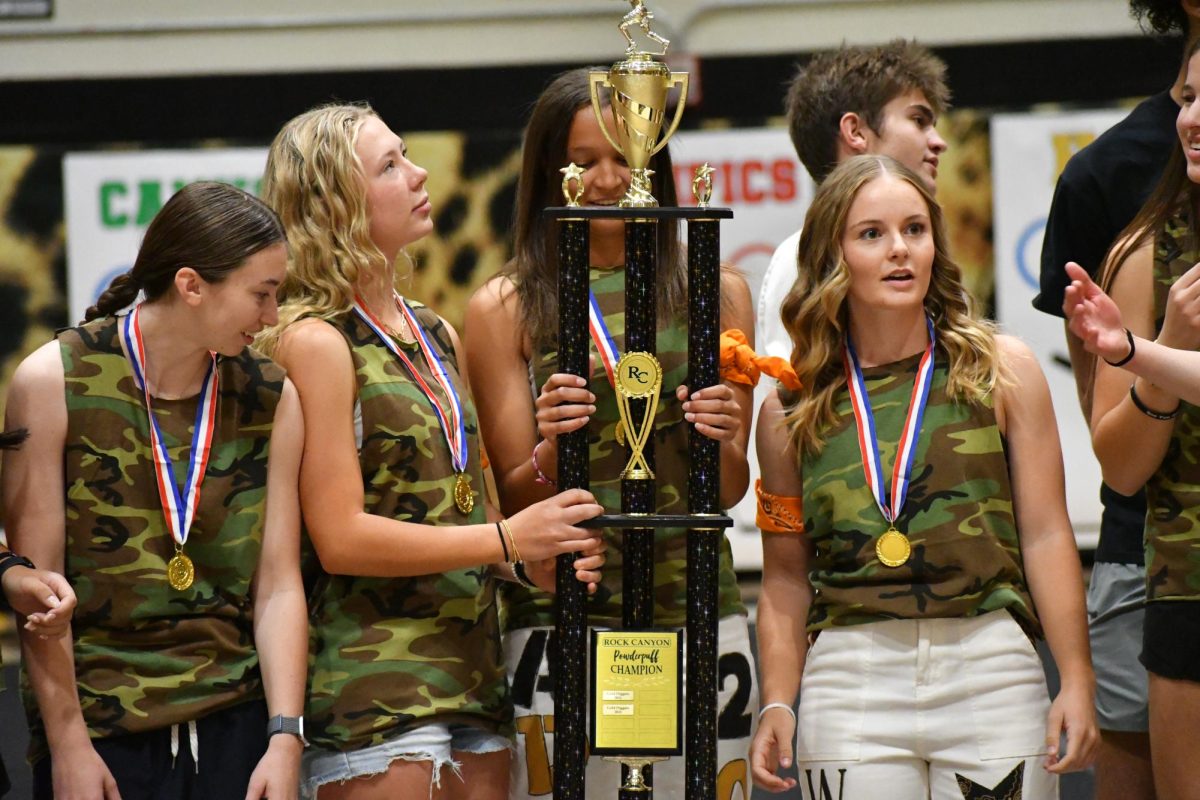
column 627, row 719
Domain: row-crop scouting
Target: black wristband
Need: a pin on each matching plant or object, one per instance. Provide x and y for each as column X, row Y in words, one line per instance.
column 9, row 559
column 1125, row 360
column 503, row 544
column 1150, row 412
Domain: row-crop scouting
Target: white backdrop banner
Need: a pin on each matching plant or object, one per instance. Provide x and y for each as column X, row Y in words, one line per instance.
column 1028, row 154
column 111, row 198
column 758, row 175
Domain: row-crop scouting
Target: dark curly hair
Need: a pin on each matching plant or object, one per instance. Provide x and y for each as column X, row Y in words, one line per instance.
column 1163, row 17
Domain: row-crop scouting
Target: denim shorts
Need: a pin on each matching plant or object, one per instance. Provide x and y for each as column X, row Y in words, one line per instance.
column 435, row 742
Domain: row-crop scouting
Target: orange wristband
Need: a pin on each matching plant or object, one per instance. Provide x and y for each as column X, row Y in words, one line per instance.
column 778, row 514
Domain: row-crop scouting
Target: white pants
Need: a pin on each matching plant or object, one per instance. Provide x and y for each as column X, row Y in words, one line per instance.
column 737, row 705
column 915, row 709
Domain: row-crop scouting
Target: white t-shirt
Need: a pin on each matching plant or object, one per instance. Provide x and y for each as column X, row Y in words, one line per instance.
column 771, row 339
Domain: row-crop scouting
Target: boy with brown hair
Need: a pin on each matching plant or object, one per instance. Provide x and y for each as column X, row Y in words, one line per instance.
column 883, row 99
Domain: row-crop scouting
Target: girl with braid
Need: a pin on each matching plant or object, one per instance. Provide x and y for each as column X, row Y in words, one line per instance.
column 407, row 678
column 930, row 544
column 145, row 481
column 511, row 349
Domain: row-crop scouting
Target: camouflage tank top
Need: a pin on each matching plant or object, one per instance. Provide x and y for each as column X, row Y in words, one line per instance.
column 392, row 654
column 966, row 556
column 1173, row 491
column 148, row 656
column 527, row 609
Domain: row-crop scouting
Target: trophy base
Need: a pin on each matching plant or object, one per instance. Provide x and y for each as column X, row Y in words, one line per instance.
column 634, row 784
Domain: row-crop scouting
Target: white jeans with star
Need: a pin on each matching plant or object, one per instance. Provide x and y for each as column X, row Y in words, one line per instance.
column 946, row 709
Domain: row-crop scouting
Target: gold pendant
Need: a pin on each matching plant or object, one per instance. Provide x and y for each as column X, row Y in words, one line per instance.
column 180, row 571
column 892, row 548
column 464, row 498
column 620, row 433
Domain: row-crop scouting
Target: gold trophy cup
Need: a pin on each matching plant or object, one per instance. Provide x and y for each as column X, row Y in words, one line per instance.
column 638, row 89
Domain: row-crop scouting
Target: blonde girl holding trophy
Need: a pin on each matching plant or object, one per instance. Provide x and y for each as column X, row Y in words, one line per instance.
column 407, row 683
column 145, row 480
column 525, row 403
column 934, row 544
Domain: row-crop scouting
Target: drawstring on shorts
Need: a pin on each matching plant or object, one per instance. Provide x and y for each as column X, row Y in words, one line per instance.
column 193, row 744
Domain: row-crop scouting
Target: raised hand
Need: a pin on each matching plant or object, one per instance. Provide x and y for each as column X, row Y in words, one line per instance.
column 1181, row 326
column 1094, row 317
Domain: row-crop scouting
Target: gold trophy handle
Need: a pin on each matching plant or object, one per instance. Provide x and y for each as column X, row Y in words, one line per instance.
column 596, row 80
column 680, row 78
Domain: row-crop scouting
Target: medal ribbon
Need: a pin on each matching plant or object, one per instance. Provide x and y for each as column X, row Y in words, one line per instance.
column 606, row 346
column 454, row 426
column 179, row 506
column 868, row 441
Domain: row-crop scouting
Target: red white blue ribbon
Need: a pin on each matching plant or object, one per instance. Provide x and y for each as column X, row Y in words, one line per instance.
column 606, row 346
column 454, row 426
column 868, row 441
column 179, row 505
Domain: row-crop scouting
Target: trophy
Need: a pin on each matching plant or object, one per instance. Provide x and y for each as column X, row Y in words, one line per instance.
column 638, row 88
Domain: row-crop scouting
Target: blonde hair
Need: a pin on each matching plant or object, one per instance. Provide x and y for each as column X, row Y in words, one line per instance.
column 816, row 315
column 314, row 181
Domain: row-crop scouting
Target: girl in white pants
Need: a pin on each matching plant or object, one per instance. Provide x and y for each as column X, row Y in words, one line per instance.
column 915, row 529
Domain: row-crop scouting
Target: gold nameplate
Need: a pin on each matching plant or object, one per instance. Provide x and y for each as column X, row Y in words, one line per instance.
column 464, row 498
column 893, row 548
column 181, row 572
column 637, row 691
column 638, row 377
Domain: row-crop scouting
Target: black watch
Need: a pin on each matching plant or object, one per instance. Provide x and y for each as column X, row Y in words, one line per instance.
column 290, row 725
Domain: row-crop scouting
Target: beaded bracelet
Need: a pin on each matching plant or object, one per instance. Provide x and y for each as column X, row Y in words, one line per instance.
column 785, row 706
column 1150, row 412
column 539, row 477
column 1125, row 360
column 518, row 569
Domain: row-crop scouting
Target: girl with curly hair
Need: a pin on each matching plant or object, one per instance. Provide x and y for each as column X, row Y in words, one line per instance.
column 922, row 456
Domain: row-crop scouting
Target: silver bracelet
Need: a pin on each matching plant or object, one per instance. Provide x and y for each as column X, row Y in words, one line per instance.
column 785, row 706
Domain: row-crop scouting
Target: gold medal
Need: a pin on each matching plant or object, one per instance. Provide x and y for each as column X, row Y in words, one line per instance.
column 892, row 548
column 180, row 571
column 464, row 498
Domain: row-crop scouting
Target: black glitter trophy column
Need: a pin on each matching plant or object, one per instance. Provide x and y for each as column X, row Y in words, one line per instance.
column 704, row 484
column 570, row 679
column 639, row 86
